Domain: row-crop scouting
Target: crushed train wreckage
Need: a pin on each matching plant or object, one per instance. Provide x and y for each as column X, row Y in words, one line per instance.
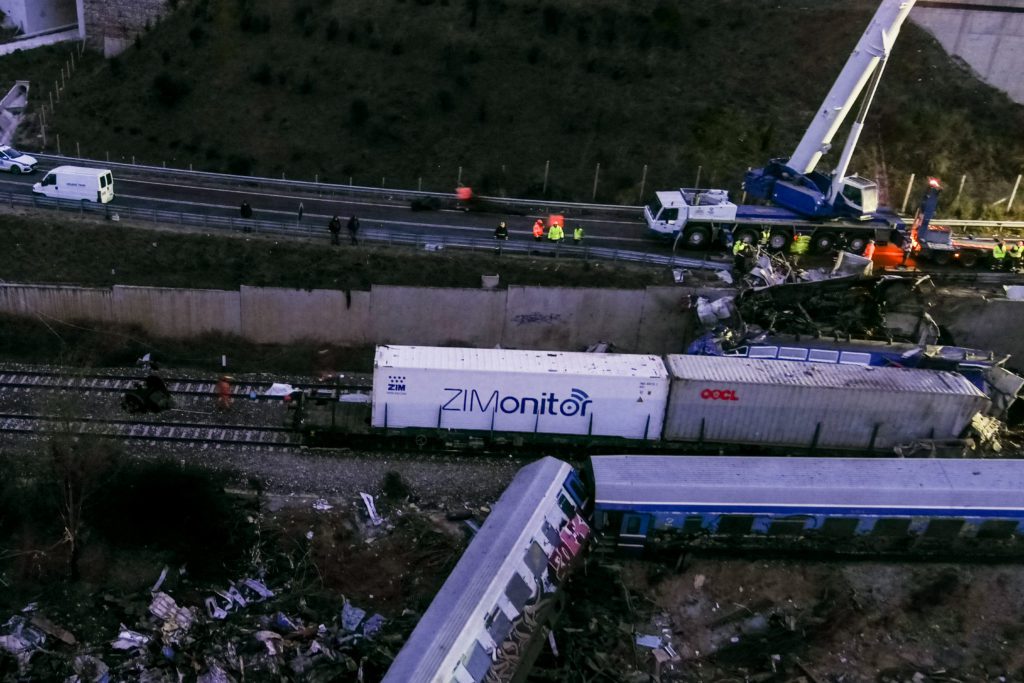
column 850, row 316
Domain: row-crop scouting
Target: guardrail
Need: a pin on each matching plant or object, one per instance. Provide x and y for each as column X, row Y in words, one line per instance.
column 377, row 236
column 575, row 208
column 335, row 188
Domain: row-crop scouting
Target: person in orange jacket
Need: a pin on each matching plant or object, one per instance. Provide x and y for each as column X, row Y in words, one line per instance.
column 869, row 250
column 224, row 393
column 538, row 230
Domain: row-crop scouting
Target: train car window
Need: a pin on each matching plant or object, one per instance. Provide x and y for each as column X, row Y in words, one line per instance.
column 536, row 559
column 997, row 528
column 577, row 490
column 786, row 527
column 478, row 662
column 891, row 527
column 694, row 524
column 735, row 524
column 551, row 533
column 633, row 524
column 943, row 528
column 567, row 506
column 461, row 675
column 517, row 592
column 499, row 627
column 839, row 527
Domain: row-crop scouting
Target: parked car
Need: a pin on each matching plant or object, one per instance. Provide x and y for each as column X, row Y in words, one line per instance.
column 13, row 161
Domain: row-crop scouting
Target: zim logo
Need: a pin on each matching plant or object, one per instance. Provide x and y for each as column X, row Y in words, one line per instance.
column 719, row 395
column 396, row 384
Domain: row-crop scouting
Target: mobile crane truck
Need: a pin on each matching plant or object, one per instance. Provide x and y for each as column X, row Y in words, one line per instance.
column 804, row 200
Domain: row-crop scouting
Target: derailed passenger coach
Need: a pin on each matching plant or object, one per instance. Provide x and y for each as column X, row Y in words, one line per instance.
column 489, row 619
column 968, row 507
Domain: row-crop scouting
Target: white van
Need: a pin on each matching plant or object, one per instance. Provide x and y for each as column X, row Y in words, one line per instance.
column 77, row 182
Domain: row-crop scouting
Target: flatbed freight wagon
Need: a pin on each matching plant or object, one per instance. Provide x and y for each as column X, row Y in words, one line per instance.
column 549, row 401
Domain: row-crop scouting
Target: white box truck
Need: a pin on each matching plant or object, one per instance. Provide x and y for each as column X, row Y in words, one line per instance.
column 78, row 183
column 499, row 390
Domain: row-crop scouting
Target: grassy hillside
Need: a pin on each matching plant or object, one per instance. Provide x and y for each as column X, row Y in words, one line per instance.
column 67, row 250
column 397, row 90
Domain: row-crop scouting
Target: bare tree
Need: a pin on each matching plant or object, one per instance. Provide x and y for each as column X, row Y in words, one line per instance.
column 80, row 465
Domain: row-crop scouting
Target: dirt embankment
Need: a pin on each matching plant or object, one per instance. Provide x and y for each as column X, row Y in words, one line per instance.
column 757, row 620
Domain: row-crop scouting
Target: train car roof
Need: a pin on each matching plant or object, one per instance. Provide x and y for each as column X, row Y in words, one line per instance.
column 802, row 374
column 758, row 484
column 446, row 629
column 518, row 361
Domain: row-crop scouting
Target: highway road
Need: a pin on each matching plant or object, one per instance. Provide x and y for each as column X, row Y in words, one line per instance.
column 175, row 193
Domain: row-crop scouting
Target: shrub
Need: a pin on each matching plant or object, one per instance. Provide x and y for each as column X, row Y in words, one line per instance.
column 553, row 17
column 240, row 164
column 359, row 111
column 394, row 486
column 169, row 89
column 206, row 532
column 196, row 35
column 302, row 14
column 254, row 23
column 446, row 100
column 263, row 74
column 333, row 29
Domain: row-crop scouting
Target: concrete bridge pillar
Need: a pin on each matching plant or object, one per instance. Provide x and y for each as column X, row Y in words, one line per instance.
column 987, row 34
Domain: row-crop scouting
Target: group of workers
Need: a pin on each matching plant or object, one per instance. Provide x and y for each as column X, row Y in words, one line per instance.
column 334, row 226
column 556, row 233
column 1008, row 257
column 743, row 252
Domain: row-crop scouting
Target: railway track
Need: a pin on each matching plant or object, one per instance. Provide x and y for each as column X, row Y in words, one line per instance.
column 134, row 430
column 101, row 383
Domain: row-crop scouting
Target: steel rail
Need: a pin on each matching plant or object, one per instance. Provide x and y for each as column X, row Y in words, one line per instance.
column 13, row 423
column 38, row 379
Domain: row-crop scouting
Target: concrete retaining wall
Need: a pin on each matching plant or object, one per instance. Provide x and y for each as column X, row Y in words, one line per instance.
column 435, row 316
column 111, row 25
column 655, row 320
column 649, row 321
column 281, row 316
column 58, row 302
column 178, row 312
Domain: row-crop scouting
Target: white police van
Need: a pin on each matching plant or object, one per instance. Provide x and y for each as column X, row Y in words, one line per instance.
column 77, row 182
column 13, row 161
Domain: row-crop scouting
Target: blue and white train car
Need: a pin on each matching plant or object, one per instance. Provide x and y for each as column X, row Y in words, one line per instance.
column 485, row 621
column 647, row 503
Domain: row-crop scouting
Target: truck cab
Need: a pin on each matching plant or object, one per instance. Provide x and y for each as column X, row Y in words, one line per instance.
column 858, row 199
column 675, row 211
